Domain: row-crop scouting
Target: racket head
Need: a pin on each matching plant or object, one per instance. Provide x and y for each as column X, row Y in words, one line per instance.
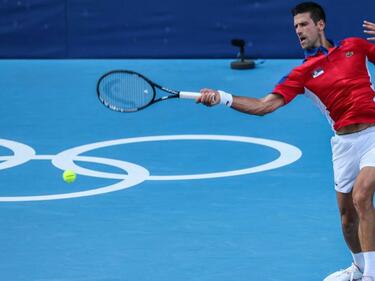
column 125, row 90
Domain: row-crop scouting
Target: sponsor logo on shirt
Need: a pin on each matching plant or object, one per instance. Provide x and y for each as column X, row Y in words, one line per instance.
column 317, row 72
column 349, row 54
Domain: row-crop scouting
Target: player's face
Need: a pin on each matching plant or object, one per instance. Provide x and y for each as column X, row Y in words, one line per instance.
column 308, row 32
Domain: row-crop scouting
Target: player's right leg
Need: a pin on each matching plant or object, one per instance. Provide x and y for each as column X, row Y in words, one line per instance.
column 349, row 222
column 349, row 225
column 346, row 168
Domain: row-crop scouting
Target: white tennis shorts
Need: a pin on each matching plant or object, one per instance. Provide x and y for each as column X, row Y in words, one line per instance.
column 350, row 153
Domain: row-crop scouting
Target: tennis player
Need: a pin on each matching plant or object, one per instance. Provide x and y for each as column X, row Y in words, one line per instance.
column 369, row 29
column 335, row 76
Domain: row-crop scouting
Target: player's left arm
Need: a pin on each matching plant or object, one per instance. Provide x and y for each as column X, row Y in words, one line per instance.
column 368, row 48
column 369, row 28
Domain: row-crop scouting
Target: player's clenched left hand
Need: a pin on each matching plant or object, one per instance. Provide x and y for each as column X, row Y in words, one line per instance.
column 369, row 29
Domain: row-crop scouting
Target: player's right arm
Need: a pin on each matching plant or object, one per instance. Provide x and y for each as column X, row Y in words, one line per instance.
column 260, row 107
column 253, row 106
column 285, row 91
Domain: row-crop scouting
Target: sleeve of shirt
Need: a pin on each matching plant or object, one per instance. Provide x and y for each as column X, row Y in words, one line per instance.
column 369, row 49
column 290, row 86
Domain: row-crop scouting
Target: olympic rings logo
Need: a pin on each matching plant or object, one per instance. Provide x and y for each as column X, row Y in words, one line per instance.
column 133, row 173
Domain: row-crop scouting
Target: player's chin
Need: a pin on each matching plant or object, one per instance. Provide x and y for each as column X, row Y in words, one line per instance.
column 306, row 46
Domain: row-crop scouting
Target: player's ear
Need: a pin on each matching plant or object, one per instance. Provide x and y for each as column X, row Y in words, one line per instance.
column 321, row 25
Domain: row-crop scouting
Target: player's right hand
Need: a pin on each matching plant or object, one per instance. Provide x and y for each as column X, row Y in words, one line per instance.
column 209, row 97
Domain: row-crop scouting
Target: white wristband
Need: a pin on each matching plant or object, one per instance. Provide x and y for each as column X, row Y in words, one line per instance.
column 225, row 98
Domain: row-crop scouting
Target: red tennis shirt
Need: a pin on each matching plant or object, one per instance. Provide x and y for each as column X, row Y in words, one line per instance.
column 337, row 80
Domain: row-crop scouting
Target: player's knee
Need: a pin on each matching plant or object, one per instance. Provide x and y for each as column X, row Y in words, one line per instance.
column 362, row 198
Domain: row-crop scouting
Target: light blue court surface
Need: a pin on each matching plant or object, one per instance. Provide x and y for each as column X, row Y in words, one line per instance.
column 177, row 215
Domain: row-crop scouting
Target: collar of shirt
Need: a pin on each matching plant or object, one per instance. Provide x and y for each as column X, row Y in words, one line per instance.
column 320, row 49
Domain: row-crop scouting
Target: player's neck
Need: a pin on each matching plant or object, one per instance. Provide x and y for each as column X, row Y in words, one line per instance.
column 324, row 42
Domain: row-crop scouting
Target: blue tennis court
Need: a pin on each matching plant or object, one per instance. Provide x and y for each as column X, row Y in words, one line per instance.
column 177, row 191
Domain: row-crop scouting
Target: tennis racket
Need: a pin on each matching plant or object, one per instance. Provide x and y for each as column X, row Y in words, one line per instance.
column 129, row 91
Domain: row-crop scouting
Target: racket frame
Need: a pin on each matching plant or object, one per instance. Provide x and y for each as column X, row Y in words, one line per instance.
column 172, row 93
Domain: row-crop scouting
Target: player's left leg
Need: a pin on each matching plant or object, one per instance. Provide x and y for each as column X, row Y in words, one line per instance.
column 363, row 196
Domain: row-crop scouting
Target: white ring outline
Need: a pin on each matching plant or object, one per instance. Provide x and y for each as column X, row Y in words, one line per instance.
column 22, row 154
column 135, row 174
column 288, row 155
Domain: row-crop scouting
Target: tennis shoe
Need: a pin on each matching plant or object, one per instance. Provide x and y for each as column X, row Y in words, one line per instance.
column 352, row 273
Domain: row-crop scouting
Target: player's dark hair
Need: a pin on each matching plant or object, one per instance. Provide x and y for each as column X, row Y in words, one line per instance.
column 316, row 11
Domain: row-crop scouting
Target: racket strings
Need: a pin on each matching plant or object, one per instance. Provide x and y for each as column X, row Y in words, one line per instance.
column 125, row 91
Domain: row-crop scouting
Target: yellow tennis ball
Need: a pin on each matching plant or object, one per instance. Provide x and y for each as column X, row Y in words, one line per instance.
column 69, row 176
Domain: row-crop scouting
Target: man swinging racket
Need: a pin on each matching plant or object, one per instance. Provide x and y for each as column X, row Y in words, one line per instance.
column 335, row 76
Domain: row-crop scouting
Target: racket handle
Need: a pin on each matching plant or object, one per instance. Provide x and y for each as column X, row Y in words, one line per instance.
column 189, row 95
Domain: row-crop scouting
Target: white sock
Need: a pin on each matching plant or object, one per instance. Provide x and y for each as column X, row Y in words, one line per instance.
column 369, row 264
column 359, row 261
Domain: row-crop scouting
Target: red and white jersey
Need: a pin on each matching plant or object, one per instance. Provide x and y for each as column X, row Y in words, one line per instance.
column 337, row 80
